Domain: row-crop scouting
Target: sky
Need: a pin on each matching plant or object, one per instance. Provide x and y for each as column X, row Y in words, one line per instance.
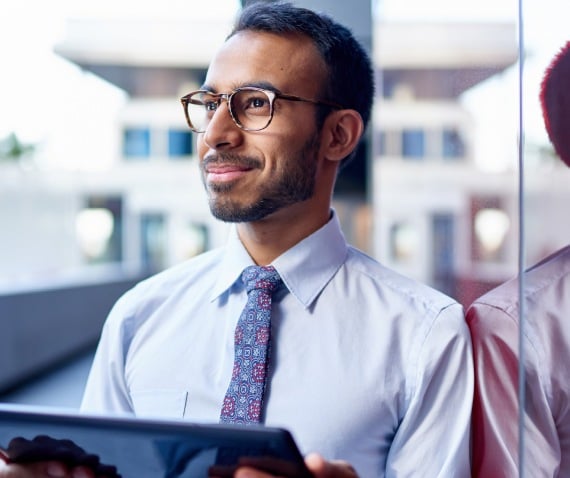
column 35, row 84
column 495, row 103
column 33, row 76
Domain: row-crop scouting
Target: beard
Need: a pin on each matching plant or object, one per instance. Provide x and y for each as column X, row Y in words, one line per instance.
column 294, row 182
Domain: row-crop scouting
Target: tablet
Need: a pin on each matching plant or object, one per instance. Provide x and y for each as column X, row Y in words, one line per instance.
column 129, row 447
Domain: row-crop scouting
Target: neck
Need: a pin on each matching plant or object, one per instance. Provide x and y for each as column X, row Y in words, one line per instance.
column 267, row 239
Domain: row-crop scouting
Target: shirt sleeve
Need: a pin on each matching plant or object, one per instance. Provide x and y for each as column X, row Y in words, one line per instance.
column 495, row 407
column 495, row 335
column 106, row 391
column 434, row 433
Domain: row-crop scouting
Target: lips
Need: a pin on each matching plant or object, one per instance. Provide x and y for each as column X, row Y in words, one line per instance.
column 226, row 168
column 225, row 172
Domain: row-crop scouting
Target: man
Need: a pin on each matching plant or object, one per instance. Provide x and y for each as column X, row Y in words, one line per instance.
column 365, row 366
column 494, row 323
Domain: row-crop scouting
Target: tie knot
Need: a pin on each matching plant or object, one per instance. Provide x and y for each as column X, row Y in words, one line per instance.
column 261, row 277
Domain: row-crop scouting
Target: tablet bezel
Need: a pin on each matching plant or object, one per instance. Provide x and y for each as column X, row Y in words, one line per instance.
column 277, row 441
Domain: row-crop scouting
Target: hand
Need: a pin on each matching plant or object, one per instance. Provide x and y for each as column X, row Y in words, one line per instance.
column 45, row 469
column 262, row 466
column 317, row 465
column 45, row 457
column 329, row 469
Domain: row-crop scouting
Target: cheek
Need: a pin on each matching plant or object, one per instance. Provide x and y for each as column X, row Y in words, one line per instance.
column 201, row 146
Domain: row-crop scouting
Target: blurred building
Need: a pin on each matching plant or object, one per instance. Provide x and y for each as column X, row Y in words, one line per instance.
column 416, row 200
column 438, row 216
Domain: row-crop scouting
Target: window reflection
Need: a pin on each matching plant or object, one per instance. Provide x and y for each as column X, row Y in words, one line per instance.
column 99, row 230
column 403, row 241
column 491, row 227
column 94, row 227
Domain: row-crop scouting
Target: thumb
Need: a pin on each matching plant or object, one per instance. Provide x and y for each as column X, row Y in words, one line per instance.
column 329, row 469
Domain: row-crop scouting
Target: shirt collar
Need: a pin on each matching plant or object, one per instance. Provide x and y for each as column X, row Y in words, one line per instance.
column 235, row 259
column 305, row 268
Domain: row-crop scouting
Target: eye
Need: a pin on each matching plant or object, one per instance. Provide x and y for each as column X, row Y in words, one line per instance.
column 257, row 102
column 252, row 103
column 210, row 105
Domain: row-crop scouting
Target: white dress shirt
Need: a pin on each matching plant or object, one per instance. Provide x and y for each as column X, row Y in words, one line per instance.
column 366, row 366
column 494, row 323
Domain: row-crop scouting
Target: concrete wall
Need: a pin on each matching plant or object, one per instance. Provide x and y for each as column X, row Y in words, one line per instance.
column 41, row 327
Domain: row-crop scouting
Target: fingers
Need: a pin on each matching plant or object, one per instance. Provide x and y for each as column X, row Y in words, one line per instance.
column 329, row 469
column 49, row 469
column 82, row 472
column 318, row 466
column 246, row 472
column 316, row 463
column 35, row 470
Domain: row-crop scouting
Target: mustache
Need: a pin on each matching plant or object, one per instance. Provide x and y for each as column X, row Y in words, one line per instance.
column 231, row 158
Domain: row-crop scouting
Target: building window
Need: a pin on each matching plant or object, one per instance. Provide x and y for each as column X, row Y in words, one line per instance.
column 179, row 143
column 136, row 143
column 190, row 241
column 382, row 149
column 443, row 244
column 453, row 145
column 489, row 229
column 98, row 228
column 390, row 143
column 153, row 240
column 413, row 143
column 404, row 241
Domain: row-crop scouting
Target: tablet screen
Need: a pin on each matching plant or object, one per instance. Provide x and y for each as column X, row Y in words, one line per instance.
column 135, row 448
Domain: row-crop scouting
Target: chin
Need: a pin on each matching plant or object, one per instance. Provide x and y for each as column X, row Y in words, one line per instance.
column 240, row 213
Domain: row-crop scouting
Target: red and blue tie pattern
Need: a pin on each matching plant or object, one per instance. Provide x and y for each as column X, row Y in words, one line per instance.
column 244, row 397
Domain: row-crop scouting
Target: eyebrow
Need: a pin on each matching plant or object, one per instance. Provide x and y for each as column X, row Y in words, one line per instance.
column 256, row 84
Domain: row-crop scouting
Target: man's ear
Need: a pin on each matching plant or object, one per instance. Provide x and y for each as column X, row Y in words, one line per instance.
column 342, row 130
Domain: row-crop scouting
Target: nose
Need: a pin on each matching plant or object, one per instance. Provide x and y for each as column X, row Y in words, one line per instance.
column 222, row 132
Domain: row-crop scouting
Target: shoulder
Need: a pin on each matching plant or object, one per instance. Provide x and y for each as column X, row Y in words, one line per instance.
column 189, row 270
column 195, row 269
column 540, row 281
column 147, row 295
column 548, row 273
column 404, row 293
column 500, row 303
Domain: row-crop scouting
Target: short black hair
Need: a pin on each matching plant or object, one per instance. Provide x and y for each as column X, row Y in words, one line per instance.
column 555, row 102
column 350, row 80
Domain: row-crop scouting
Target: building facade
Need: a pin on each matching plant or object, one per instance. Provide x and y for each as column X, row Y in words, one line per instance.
column 416, row 198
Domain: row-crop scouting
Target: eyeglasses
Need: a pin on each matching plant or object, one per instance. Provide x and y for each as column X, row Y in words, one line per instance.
column 250, row 107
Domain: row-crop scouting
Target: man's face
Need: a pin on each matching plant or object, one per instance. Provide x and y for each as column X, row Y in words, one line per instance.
column 251, row 174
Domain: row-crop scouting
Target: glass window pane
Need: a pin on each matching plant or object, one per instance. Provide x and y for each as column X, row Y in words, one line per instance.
column 403, row 241
column 453, row 145
column 443, row 244
column 153, row 238
column 179, row 143
column 413, row 143
column 136, row 143
column 98, row 229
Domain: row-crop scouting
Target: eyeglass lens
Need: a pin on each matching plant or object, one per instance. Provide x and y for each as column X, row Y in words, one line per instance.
column 250, row 108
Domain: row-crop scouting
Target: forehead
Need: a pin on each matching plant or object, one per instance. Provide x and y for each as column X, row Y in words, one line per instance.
column 290, row 63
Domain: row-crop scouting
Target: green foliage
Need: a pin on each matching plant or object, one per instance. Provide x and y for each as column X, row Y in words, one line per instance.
column 13, row 150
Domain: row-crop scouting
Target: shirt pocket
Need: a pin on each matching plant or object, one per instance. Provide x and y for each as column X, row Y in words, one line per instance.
column 159, row 403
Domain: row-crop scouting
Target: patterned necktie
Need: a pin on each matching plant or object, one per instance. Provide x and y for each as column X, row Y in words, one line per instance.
column 244, row 398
